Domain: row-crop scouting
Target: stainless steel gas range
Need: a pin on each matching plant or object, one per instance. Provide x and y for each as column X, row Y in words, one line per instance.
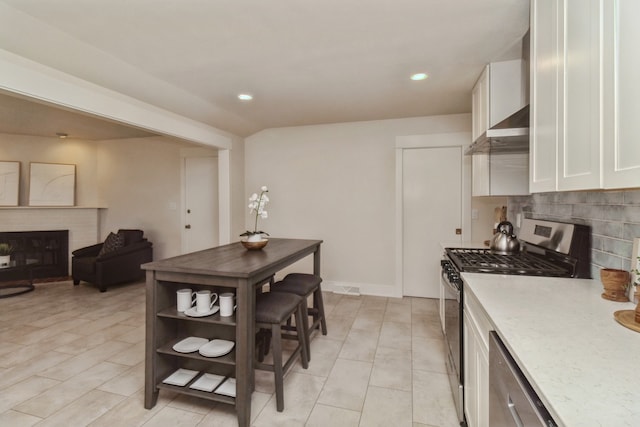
column 551, row 249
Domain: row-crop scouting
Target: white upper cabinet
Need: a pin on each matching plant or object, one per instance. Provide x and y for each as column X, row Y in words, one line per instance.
column 584, row 98
column 579, row 132
column 543, row 109
column 500, row 174
column 621, row 94
column 498, row 93
column 480, row 105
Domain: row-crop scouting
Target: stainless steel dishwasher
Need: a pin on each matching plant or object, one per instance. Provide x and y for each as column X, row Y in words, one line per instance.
column 512, row 400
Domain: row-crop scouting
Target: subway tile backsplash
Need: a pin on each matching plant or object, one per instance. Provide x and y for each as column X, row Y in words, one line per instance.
column 614, row 217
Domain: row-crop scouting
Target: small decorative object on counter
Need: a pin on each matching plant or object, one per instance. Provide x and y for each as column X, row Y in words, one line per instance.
column 629, row 318
column 634, row 291
column 615, row 284
column 254, row 240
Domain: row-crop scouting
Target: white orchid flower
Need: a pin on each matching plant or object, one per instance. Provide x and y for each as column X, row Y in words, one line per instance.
column 257, row 204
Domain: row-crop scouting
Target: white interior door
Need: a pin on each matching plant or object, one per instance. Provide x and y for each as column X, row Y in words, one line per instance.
column 201, row 203
column 432, row 213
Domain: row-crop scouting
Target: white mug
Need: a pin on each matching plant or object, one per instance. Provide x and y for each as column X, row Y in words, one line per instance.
column 226, row 304
column 205, row 301
column 186, row 298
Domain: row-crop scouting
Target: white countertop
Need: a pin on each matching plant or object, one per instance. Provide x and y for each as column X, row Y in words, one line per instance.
column 583, row 364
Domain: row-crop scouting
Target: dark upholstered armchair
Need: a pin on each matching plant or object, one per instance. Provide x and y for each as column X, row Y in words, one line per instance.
column 116, row 260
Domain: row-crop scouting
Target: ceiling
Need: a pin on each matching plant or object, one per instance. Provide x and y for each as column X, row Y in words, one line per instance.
column 304, row 62
column 19, row 116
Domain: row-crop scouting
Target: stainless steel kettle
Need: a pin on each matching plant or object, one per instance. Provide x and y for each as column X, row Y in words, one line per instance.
column 504, row 242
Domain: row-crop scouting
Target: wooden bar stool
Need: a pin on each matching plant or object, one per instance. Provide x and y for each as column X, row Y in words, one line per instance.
column 272, row 310
column 304, row 285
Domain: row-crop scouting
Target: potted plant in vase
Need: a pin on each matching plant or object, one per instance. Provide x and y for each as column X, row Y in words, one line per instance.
column 5, row 255
column 257, row 205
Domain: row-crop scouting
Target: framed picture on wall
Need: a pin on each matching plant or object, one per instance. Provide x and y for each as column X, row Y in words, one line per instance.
column 52, row 184
column 9, row 183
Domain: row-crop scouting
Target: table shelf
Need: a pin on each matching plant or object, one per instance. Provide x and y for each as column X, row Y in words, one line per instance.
column 197, row 393
column 227, row 359
column 173, row 313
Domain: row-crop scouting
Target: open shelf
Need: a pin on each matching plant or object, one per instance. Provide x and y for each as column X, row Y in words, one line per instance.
column 172, row 313
column 227, row 359
column 197, row 393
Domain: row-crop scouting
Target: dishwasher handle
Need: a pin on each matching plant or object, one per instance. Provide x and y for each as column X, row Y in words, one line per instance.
column 514, row 412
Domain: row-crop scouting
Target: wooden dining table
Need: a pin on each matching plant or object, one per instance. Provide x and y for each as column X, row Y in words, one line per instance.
column 224, row 268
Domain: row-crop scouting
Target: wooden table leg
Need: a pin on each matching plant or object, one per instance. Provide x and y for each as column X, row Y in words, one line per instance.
column 244, row 350
column 150, row 389
column 316, row 261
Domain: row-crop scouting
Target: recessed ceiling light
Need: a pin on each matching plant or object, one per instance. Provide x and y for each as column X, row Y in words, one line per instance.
column 61, row 135
column 419, row 76
column 245, row 97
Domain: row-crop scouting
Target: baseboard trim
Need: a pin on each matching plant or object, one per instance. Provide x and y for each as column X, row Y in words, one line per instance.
column 346, row 288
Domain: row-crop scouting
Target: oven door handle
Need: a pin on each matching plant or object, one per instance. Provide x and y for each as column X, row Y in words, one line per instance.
column 452, row 287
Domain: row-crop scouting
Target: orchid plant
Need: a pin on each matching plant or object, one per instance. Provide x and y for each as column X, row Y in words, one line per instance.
column 257, row 207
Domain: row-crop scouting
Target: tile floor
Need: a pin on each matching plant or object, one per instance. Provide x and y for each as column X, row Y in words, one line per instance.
column 72, row 356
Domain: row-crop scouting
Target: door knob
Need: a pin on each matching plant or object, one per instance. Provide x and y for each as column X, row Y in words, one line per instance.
column 188, row 226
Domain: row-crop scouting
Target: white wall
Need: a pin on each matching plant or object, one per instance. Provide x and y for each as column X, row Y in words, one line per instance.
column 136, row 181
column 482, row 228
column 237, row 187
column 26, row 149
column 336, row 182
column 139, row 180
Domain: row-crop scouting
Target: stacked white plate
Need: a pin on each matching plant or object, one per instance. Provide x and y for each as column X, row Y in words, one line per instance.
column 216, row 348
column 193, row 312
column 228, row 388
column 181, row 377
column 190, row 344
column 207, row 382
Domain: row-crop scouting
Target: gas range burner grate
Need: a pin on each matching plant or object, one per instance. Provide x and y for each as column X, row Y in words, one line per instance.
column 484, row 261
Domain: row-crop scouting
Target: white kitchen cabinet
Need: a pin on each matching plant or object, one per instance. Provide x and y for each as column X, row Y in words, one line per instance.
column 621, row 94
column 543, row 108
column 480, row 105
column 498, row 93
column 579, row 133
column 584, row 95
column 505, row 174
column 476, row 363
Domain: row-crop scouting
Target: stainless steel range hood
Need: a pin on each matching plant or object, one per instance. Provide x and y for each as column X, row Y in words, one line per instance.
column 509, row 136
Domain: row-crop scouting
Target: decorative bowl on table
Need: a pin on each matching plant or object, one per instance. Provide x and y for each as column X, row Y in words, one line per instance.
column 254, row 246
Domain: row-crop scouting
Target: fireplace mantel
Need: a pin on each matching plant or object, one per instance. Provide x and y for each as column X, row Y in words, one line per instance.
column 49, row 207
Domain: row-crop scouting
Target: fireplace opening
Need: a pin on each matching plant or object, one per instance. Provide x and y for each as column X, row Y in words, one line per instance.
column 36, row 254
